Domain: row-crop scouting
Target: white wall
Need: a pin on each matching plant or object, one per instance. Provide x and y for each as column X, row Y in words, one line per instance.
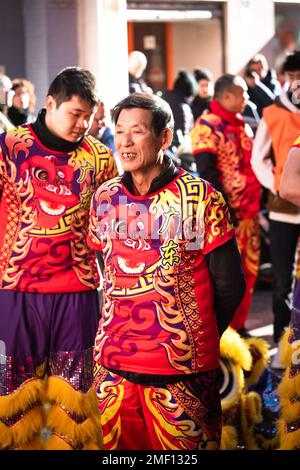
column 249, row 25
column 102, row 30
column 36, row 52
column 198, row 44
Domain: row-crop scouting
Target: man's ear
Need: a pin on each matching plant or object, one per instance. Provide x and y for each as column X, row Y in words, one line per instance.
column 167, row 137
column 50, row 103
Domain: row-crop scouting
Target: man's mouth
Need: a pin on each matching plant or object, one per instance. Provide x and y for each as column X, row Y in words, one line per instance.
column 127, row 156
column 138, row 269
column 58, row 210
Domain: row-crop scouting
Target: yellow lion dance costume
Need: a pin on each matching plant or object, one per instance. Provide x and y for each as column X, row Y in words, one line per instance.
column 243, row 363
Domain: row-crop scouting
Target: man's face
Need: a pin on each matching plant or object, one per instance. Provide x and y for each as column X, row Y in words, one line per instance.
column 21, row 98
column 293, row 78
column 71, row 120
column 204, row 88
column 236, row 99
column 98, row 121
column 136, row 142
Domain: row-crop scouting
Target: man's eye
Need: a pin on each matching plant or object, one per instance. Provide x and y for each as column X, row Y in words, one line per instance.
column 40, row 174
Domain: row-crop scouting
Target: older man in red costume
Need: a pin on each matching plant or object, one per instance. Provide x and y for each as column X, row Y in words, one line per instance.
column 168, row 244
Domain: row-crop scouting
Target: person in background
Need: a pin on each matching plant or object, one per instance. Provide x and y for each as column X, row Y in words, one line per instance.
column 179, row 99
column 100, row 130
column 168, row 246
column 18, row 112
column 205, row 91
column 259, row 94
column 275, row 135
column 5, row 99
column 137, row 63
column 222, row 144
column 48, row 275
column 266, row 75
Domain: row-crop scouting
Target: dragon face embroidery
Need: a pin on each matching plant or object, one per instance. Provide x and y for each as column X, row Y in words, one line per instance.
column 52, row 188
column 133, row 249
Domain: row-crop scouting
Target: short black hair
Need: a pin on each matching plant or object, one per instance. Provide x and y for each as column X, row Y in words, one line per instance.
column 74, row 81
column 224, row 83
column 202, row 74
column 186, row 83
column 292, row 62
column 161, row 111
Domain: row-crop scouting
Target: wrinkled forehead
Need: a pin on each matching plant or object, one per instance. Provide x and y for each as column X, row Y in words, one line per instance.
column 134, row 117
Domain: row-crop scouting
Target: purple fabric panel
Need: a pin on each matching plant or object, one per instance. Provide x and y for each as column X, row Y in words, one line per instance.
column 36, row 324
column 47, row 332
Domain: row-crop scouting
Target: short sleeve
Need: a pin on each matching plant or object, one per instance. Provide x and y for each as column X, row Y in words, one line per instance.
column 217, row 225
column 93, row 233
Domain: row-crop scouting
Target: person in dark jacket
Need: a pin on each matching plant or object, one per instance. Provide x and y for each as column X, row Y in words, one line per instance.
column 185, row 88
column 205, row 90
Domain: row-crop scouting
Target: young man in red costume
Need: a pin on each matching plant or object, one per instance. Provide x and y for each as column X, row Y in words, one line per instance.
column 222, row 145
column 168, row 245
column 48, row 275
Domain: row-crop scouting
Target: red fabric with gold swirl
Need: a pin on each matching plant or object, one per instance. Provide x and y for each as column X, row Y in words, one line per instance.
column 158, row 296
column 44, row 213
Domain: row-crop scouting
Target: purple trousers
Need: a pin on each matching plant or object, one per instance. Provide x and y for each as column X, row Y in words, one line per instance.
column 49, row 334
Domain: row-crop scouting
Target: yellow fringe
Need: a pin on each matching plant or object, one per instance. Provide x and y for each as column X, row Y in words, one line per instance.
column 91, row 446
column 61, row 392
column 20, row 400
column 289, row 411
column 35, row 444
column 288, row 441
column 57, row 443
column 234, row 348
column 63, row 397
column 234, row 396
column 22, row 431
column 262, row 347
column 229, row 438
column 289, row 387
column 80, row 433
column 251, row 408
column 286, row 348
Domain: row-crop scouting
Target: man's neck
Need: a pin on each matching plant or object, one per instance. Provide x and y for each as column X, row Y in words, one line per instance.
column 143, row 182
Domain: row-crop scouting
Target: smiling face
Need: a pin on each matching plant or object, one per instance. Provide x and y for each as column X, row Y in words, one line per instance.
column 139, row 148
column 71, row 120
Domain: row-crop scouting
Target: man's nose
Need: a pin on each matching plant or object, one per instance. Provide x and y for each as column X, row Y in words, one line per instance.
column 127, row 139
column 83, row 123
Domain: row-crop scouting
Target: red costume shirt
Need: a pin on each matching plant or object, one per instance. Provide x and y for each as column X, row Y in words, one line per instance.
column 158, row 313
column 44, row 212
column 225, row 135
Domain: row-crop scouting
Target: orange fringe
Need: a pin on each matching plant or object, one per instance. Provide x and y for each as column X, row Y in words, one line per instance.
column 63, row 424
column 56, row 442
column 21, row 399
column 65, row 401
column 61, row 392
column 22, row 431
